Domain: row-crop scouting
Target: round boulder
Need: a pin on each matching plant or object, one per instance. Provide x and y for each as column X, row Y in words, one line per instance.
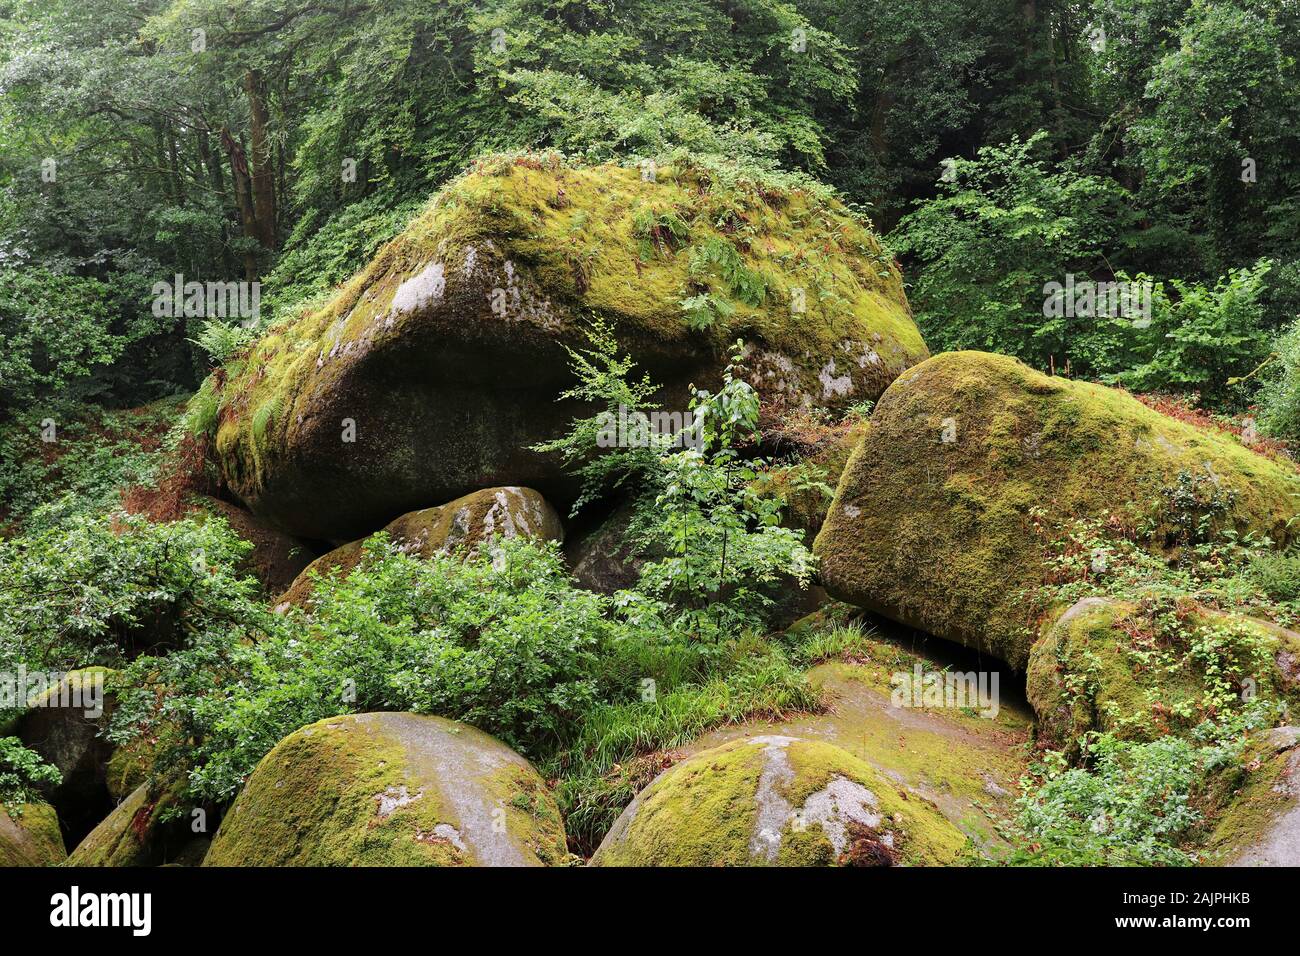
column 389, row 789
column 974, row 464
column 66, row 726
column 776, row 800
column 462, row 524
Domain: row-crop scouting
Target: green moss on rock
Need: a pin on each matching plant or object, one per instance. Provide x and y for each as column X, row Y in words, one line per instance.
column 938, row 517
column 30, row 836
column 445, row 354
column 1257, row 820
column 1144, row 670
column 459, row 525
column 391, row 790
column 777, row 800
column 145, row 829
column 64, row 729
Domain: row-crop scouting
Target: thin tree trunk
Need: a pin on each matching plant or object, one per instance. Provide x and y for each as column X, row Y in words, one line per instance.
column 243, row 196
column 263, row 163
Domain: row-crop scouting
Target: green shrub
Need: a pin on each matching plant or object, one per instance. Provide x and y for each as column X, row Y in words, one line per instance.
column 22, row 771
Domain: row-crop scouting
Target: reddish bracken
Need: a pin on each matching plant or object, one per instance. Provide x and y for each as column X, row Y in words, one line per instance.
column 1181, row 408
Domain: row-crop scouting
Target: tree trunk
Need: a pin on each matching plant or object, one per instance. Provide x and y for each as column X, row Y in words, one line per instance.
column 263, row 163
column 211, row 162
column 243, row 196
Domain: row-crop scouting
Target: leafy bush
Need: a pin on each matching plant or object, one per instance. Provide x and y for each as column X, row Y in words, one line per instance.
column 98, row 590
column 715, row 546
column 1130, row 809
column 22, row 771
column 55, row 330
column 1001, row 228
column 502, row 640
column 1203, row 338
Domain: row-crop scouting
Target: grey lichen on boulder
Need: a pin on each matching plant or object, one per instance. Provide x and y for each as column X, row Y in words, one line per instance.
column 777, row 800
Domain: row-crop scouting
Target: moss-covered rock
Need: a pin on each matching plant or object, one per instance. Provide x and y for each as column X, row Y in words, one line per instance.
column 149, row 828
column 65, row 729
column 462, row 524
column 1143, row 669
column 1257, row 820
column 30, row 836
column 391, row 790
column 276, row 559
column 443, row 358
column 972, row 460
column 777, row 800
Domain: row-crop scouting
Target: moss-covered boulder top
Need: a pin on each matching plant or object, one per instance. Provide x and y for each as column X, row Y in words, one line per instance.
column 945, row 516
column 443, row 357
column 1143, row 669
column 391, row 789
column 30, row 836
column 777, row 800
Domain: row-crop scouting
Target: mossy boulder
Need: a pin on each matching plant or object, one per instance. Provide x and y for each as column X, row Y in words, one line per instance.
column 152, row 826
column 30, row 836
column 276, row 559
column 460, row 525
column 391, row 790
column 435, row 369
column 1127, row 667
column 1258, row 823
column 66, row 731
column 944, row 515
column 777, row 800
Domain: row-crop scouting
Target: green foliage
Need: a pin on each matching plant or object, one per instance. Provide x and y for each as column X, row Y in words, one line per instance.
column 1279, row 396
column 223, row 340
column 1202, row 338
column 97, row 590
column 502, row 640
column 1131, row 808
column 611, row 761
column 22, row 772
column 718, row 256
column 55, row 332
column 93, row 456
column 1003, row 227
column 716, row 546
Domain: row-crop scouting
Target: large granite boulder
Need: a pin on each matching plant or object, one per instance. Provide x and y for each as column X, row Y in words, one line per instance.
column 433, row 371
column 973, row 462
column 391, row 789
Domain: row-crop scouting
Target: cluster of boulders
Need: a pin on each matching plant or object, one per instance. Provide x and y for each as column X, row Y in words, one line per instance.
column 412, row 402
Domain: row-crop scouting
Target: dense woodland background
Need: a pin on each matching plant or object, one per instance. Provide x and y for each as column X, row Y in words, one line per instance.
column 1096, row 139
column 997, row 146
